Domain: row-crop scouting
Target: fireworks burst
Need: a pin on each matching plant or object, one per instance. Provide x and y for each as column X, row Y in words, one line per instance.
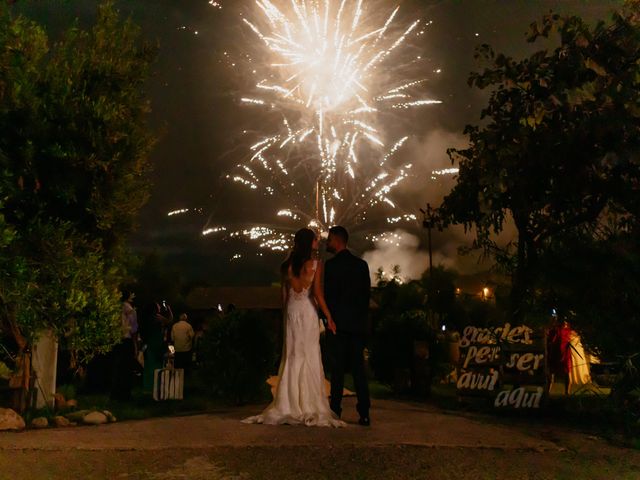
column 329, row 78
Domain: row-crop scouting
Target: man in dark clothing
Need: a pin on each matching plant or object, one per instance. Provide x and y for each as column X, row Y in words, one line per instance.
column 347, row 288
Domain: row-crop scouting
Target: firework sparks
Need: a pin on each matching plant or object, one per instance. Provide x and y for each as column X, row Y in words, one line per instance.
column 323, row 75
column 444, row 172
column 401, row 218
column 389, row 238
column 268, row 238
column 177, row 212
column 209, row 231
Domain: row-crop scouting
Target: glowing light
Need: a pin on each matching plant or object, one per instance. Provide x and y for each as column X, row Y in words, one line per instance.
column 209, row 231
column 390, row 238
column 416, row 103
column 445, row 172
column 177, row 212
column 401, row 218
column 267, row 238
column 252, row 100
column 330, row 72
column 288, row 213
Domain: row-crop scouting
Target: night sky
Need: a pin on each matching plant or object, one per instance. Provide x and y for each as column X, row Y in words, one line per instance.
column 195, row 91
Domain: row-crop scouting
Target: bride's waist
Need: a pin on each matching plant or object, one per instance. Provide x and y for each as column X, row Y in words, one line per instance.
column 301, row 301
column 303, row 295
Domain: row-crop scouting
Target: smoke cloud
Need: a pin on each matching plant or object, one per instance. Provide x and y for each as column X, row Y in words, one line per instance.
column 404, row 250
column 401, row 249
column 398, row 249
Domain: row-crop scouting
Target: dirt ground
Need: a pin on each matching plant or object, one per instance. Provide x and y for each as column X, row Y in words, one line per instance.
column 406, row 441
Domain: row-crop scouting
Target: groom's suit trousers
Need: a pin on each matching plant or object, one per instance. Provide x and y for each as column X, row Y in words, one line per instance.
column 348, row 354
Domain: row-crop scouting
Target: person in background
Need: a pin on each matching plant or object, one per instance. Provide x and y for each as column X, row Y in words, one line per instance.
column 165, row 315
column 182, row 335
column 154, row 345
column 580, row 373
column 199, row 329
column 559, row 354
column 124, row 353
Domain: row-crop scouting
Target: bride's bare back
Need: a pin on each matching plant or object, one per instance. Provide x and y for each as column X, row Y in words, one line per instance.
column 305, row 280
column 310, row 280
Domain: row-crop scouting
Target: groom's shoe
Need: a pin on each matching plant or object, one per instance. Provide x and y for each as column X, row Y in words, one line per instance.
column 364, row 421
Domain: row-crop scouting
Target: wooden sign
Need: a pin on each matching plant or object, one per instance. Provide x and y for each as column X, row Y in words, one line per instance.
column 505, row 364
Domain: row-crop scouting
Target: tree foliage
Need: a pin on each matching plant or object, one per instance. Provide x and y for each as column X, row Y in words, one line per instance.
column 557, row 151
column 595, row 283
column 238, row 354
column 73, row 168
column 392, row 346
column 72, row 116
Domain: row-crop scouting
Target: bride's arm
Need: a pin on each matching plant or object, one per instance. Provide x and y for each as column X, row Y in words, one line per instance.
column 318, row 293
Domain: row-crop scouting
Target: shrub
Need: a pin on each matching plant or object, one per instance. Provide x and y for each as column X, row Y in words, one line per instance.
column 238, row 353
column 393, row 343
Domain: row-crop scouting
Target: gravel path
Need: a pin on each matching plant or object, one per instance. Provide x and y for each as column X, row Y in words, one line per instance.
column 406, row 440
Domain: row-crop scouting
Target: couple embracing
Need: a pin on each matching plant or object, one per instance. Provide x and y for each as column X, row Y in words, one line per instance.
column 341, row 290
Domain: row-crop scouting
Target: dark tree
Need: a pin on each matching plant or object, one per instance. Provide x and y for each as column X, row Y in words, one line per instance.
column 557, row 151
column 73, row 175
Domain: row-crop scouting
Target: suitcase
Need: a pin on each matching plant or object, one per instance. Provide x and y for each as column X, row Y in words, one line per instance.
column 168, row 383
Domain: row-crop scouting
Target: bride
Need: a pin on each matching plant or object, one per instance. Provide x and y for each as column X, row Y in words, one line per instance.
column 300, row 396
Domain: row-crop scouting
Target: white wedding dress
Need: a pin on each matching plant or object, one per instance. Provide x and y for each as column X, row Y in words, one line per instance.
column 300, row 396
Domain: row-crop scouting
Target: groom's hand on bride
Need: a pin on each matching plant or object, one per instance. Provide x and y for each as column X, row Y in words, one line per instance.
column 331, row 326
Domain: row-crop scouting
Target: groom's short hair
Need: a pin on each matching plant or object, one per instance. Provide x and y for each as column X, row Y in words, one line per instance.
column 340, row 232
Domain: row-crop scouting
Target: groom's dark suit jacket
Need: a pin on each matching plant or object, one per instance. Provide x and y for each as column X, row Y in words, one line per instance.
column 347, row 289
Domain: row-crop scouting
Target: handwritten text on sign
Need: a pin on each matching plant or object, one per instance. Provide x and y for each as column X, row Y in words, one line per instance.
column 478, row 380
column 471, row 334
column 490, row 353
column 519, row 398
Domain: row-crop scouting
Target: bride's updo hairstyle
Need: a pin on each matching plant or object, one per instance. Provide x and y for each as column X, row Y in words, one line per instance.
column 301, row 252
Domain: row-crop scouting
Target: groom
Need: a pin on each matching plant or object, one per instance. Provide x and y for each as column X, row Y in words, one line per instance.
column 347, row 287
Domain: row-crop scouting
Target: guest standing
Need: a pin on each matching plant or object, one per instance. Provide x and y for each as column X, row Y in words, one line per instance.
column 559, row 353
column 182, row 335
column 155, row 346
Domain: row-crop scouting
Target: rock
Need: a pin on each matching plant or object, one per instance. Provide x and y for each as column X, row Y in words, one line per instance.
column 61, row 421
column 110, row 416
column 40, row 422
column 95, row 418
column 72, row 403
column 77, row 416
column 10, row 420
column 59, row 401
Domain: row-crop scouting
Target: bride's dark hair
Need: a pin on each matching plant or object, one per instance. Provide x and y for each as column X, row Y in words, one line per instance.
column 301, row 252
